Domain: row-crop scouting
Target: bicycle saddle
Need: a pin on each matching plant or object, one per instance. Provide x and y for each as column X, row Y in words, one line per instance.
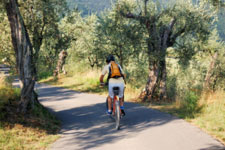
column 116, row 90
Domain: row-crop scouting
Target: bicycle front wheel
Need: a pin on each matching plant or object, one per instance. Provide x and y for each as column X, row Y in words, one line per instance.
column 117, row 115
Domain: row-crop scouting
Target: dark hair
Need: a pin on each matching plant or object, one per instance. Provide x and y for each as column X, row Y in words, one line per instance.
column 110, row 58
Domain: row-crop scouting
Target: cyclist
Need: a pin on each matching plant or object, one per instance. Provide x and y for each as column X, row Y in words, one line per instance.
column 113, row 81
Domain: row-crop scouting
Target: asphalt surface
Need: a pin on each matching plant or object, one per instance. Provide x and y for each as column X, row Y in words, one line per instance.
column 86, row 126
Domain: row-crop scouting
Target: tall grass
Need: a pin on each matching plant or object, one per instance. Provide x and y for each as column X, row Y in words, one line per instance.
column 212, row 117
column 8, row 94
column 89, row 82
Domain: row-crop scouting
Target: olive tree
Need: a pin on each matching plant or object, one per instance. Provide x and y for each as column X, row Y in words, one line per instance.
column 118, row 36
column 24, row 55
column 175, row 26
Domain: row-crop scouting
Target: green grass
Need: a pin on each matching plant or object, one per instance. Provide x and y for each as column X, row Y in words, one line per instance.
column 82, row 83
column 36, row 129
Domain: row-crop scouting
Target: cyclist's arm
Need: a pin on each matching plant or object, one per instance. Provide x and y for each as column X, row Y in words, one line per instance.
column 104, row 72
column 101, row 78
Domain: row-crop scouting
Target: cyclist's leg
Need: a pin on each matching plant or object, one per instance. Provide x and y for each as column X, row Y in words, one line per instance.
column 121, row 98
column 110, row 97
column 109, row 103
column 121, row 101
column 121, row 93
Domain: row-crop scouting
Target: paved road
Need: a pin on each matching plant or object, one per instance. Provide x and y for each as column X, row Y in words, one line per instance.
column 85, row 125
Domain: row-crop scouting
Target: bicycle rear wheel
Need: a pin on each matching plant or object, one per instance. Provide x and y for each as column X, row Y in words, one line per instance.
column 117, row 115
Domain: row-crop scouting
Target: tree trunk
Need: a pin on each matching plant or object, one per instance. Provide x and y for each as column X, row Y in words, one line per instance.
column 24, row 54
column 121, row 56
column 156, row 84
column 162, row 84
column 152, row 81
column 210, row 72
column 60, row 63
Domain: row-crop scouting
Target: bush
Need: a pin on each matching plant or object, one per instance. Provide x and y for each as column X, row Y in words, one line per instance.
column 7, row 93
column 44, row 75
column 190, row 103
column 171, row 87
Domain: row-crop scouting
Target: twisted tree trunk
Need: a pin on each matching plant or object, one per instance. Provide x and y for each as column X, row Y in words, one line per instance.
column 159, row 39
column 60, row 64
column 24, row 55
column 208, row 77
column 151, row 84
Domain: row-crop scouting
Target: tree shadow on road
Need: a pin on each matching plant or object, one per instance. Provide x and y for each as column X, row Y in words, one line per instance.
column 213, row 148
column 89, row 127
column 46, row 92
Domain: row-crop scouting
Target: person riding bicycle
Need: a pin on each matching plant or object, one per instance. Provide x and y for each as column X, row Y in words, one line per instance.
column 115, row 79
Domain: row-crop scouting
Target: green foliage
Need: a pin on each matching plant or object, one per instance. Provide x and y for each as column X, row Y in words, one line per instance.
column 213, row 47
column 192, row 77
column 44, row 74
column 172, row 87
column 190, row 104
column 7, row 55
column 196, row 30
column 180, row 80
column 219, row 72
column 41, row 19
column 137, row 72
column 119, row 36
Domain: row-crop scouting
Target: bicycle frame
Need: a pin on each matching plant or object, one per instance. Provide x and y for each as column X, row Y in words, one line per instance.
column 115, row 100
column 116, row 107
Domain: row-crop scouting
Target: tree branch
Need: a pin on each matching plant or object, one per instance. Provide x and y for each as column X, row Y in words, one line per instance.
column 173, row 38
column 168, row 32
column 145, row 6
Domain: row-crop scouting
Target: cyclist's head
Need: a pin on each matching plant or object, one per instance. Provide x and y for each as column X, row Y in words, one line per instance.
column 110, row 58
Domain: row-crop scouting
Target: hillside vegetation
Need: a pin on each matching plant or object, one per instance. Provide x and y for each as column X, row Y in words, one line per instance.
column 90, row 6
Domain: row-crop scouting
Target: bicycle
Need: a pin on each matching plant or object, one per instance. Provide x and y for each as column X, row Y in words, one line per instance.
column 116, row 111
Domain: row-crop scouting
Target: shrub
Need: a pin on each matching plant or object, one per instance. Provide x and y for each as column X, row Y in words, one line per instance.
column 44, row 75
column 171, row 87
column 7, row 93
column 190, row 104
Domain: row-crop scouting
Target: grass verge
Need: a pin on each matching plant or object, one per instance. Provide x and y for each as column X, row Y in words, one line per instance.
column 34, row 130
column 87, row 82
column 209, row 116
